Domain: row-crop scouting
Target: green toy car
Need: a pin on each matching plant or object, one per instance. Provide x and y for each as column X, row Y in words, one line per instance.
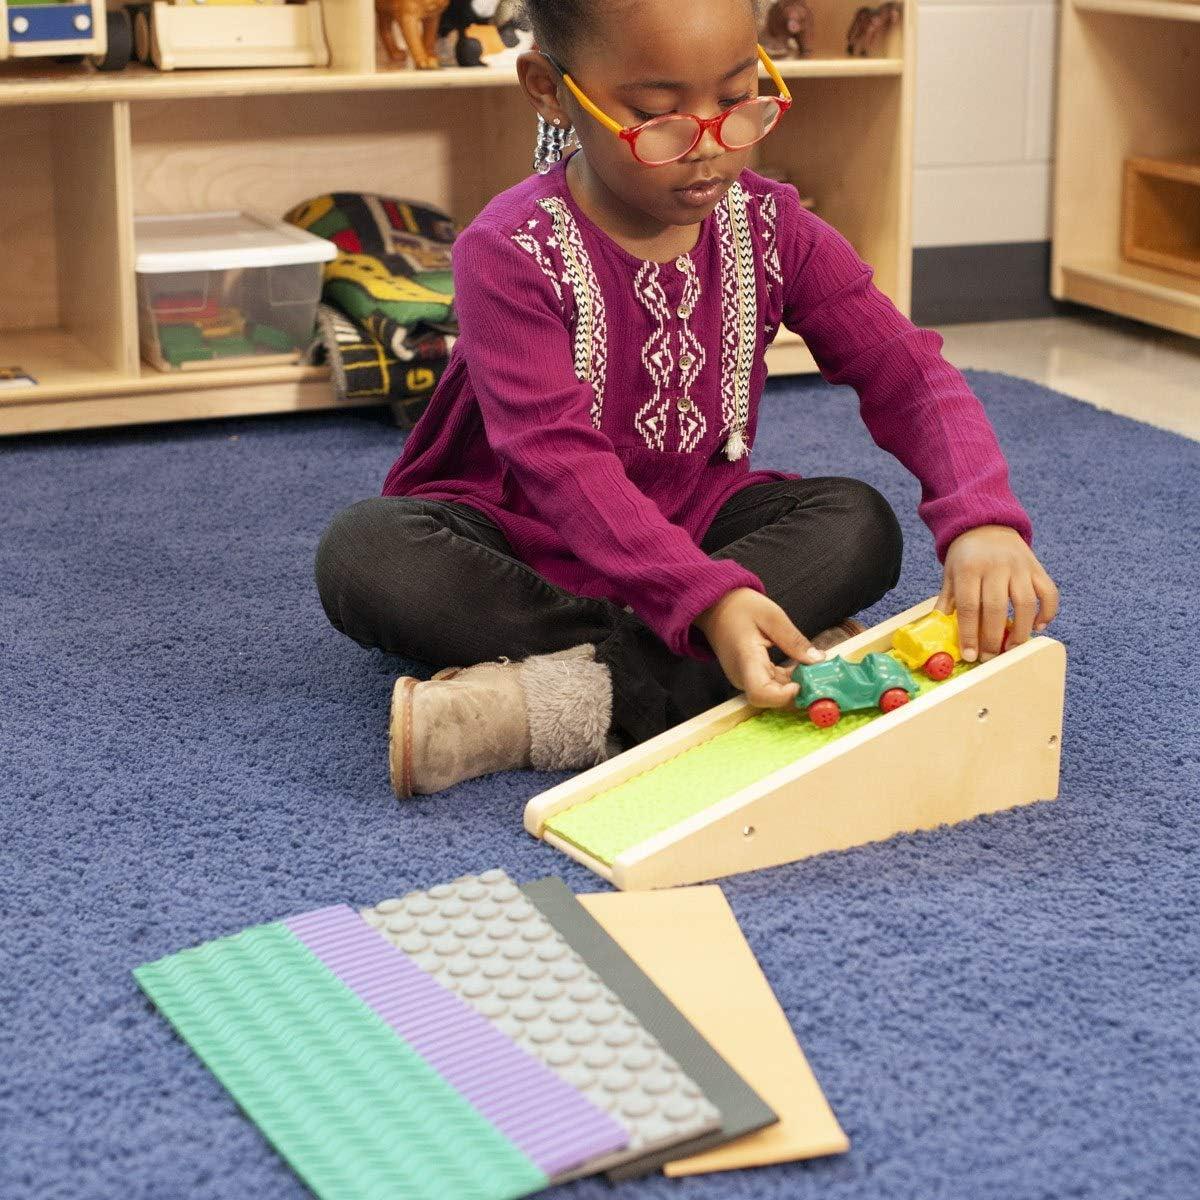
column 828, row 689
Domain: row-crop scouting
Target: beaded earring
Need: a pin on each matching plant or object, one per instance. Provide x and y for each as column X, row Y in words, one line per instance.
column 550, row 143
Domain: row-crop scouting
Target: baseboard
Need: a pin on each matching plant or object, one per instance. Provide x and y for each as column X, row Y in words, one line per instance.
column 1000, row 282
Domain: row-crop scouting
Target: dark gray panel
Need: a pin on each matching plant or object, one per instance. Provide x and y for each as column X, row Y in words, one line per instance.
column 742, row 1109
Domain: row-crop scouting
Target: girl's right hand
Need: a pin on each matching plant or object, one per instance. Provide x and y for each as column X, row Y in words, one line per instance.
column 741, row 628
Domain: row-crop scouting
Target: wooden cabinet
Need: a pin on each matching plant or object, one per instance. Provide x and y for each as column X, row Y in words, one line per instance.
column 1129, row 87
column 84, row 151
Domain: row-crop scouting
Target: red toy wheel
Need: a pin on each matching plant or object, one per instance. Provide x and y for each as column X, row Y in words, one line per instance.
column 892, row 698
column 824, row 713
column 939, row 666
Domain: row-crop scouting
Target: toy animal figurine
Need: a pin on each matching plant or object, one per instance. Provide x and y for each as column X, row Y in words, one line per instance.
column 512, row 21
column 460, row 15
column 869, row 25
column 788, row 30
column 418, row 21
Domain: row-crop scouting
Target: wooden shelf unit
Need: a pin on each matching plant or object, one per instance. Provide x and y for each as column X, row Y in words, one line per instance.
column 91, row 150
column 1129, row 86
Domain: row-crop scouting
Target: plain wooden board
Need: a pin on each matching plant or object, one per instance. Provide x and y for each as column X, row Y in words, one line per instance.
column 28, row 235
column 74, row 365
column 35, row 83
column 94, row 216
column 1164, row 10
column 1135, row 290
column 201, row 400
column 689, row 943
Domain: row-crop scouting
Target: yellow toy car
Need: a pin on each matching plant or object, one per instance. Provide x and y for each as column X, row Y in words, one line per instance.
column 930, row 644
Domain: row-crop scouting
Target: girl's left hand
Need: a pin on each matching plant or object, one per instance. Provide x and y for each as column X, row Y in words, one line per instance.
column 985, row 569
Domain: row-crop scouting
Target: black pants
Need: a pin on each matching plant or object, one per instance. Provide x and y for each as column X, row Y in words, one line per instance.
column 438, row 582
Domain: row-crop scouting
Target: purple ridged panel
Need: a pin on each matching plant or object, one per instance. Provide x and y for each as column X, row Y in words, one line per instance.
column 555, row 1126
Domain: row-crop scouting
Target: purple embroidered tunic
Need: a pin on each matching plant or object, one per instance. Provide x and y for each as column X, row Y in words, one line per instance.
column 600, row 407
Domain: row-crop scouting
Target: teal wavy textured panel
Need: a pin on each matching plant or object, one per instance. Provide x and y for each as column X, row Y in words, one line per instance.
column 356, row 1111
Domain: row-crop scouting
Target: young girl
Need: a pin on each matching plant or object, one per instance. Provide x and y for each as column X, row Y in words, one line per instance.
column 578, row 496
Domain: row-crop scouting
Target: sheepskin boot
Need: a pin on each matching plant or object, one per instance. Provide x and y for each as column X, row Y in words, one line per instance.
column 843, row 631
column 550, row 712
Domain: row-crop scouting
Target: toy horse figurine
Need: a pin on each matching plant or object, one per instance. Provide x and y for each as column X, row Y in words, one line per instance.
column 869, row 25
column 418, row 21
column 788, row 30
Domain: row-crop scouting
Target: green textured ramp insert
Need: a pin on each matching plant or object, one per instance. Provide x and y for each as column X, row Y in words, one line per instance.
column 637, row 809
column 356, row 1111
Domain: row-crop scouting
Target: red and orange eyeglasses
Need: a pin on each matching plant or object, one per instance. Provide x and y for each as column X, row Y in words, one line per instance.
column 666, row 139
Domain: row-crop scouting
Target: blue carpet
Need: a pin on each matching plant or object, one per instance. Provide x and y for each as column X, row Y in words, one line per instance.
column 1006, row 1009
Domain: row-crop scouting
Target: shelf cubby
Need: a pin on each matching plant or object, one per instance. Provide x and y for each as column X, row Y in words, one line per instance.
column 67, row 312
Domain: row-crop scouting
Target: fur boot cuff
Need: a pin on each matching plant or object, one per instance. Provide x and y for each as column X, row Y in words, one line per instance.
column 569, row 705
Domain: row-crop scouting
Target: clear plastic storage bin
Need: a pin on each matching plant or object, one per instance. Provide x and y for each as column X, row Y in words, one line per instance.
column 226, row 288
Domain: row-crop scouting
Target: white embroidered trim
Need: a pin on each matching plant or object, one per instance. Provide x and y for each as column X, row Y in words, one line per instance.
column 529, row 243
column 651, row 419
column 767, row 209
column 739, row 317
column 692, row 424
column 591, row 322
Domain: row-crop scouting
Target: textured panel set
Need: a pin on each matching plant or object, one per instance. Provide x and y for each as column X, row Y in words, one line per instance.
column 468, row 1052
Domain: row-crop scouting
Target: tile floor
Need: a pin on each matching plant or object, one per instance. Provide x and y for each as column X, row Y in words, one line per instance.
column 1124, row 366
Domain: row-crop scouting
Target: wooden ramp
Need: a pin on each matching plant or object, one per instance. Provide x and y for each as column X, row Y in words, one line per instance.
column 738, row 788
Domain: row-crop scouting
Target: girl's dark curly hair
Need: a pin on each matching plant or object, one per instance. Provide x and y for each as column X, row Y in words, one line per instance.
column 561, row 26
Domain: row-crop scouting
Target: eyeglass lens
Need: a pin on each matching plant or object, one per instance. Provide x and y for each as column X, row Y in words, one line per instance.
column 673, row 136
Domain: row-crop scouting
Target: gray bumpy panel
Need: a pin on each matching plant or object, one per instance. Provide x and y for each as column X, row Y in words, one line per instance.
column 481, row 937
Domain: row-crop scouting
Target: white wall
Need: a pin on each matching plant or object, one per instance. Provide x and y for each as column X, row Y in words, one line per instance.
column 984, row 121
